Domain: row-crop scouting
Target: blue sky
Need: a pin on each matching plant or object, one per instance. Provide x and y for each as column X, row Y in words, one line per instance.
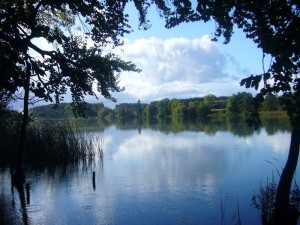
column 182, row 62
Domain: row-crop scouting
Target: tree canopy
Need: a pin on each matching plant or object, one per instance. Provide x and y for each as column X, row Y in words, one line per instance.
column 70, row 63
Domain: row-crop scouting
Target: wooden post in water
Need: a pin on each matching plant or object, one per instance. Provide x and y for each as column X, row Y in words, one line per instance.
column 94, row 180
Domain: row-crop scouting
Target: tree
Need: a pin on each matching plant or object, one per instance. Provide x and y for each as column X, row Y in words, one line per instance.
column 246, row 104
column 192, row 110
column 178, row 108
column 139, row 109
column 151, row 110
column 203, row 110
column 120, row 112
column 173, row 105
column 163, row 108
column 232, row 106
column 104, row 112
column 270, row 103
column 274, row 27
column 240, row 104
column 210, row 100
column 71, row 64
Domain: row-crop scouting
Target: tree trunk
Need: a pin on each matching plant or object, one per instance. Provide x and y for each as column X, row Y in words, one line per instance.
column 283, row 213
column 19, row 176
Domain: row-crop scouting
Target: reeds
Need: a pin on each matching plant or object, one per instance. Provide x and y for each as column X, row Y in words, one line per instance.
column 265, row 199
column 56, row 142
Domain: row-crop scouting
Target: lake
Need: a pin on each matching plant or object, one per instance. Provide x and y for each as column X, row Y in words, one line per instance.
column 166, row 172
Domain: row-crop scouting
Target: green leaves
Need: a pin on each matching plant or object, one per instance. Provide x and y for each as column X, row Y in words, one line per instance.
column 70, row 64
column 252, row 81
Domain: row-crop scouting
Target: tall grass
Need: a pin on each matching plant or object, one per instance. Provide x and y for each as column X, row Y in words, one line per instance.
column 265, row 199
column 49, row 143
column 9, row 127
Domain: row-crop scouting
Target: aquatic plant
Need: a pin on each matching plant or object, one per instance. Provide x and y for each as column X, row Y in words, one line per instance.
column 265, row 200
column 53, row 142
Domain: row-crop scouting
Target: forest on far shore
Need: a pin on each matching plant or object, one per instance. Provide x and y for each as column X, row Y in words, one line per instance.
column 240, row 104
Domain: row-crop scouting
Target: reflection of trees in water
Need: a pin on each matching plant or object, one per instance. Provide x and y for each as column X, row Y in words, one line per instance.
column 128, row 124
column 276, row 124
column 209, row 126
column 239, row 127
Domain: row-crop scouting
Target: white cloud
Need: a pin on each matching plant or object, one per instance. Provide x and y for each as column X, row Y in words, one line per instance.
column 180, row 59
column 177, row 68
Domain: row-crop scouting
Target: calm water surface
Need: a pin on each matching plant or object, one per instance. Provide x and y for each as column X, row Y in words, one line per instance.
column 162, row 174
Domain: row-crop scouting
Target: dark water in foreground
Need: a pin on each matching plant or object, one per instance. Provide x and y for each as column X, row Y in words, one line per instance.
column 161, row 174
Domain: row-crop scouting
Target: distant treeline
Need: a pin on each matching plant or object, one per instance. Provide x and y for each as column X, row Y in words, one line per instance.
column 240, row 104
